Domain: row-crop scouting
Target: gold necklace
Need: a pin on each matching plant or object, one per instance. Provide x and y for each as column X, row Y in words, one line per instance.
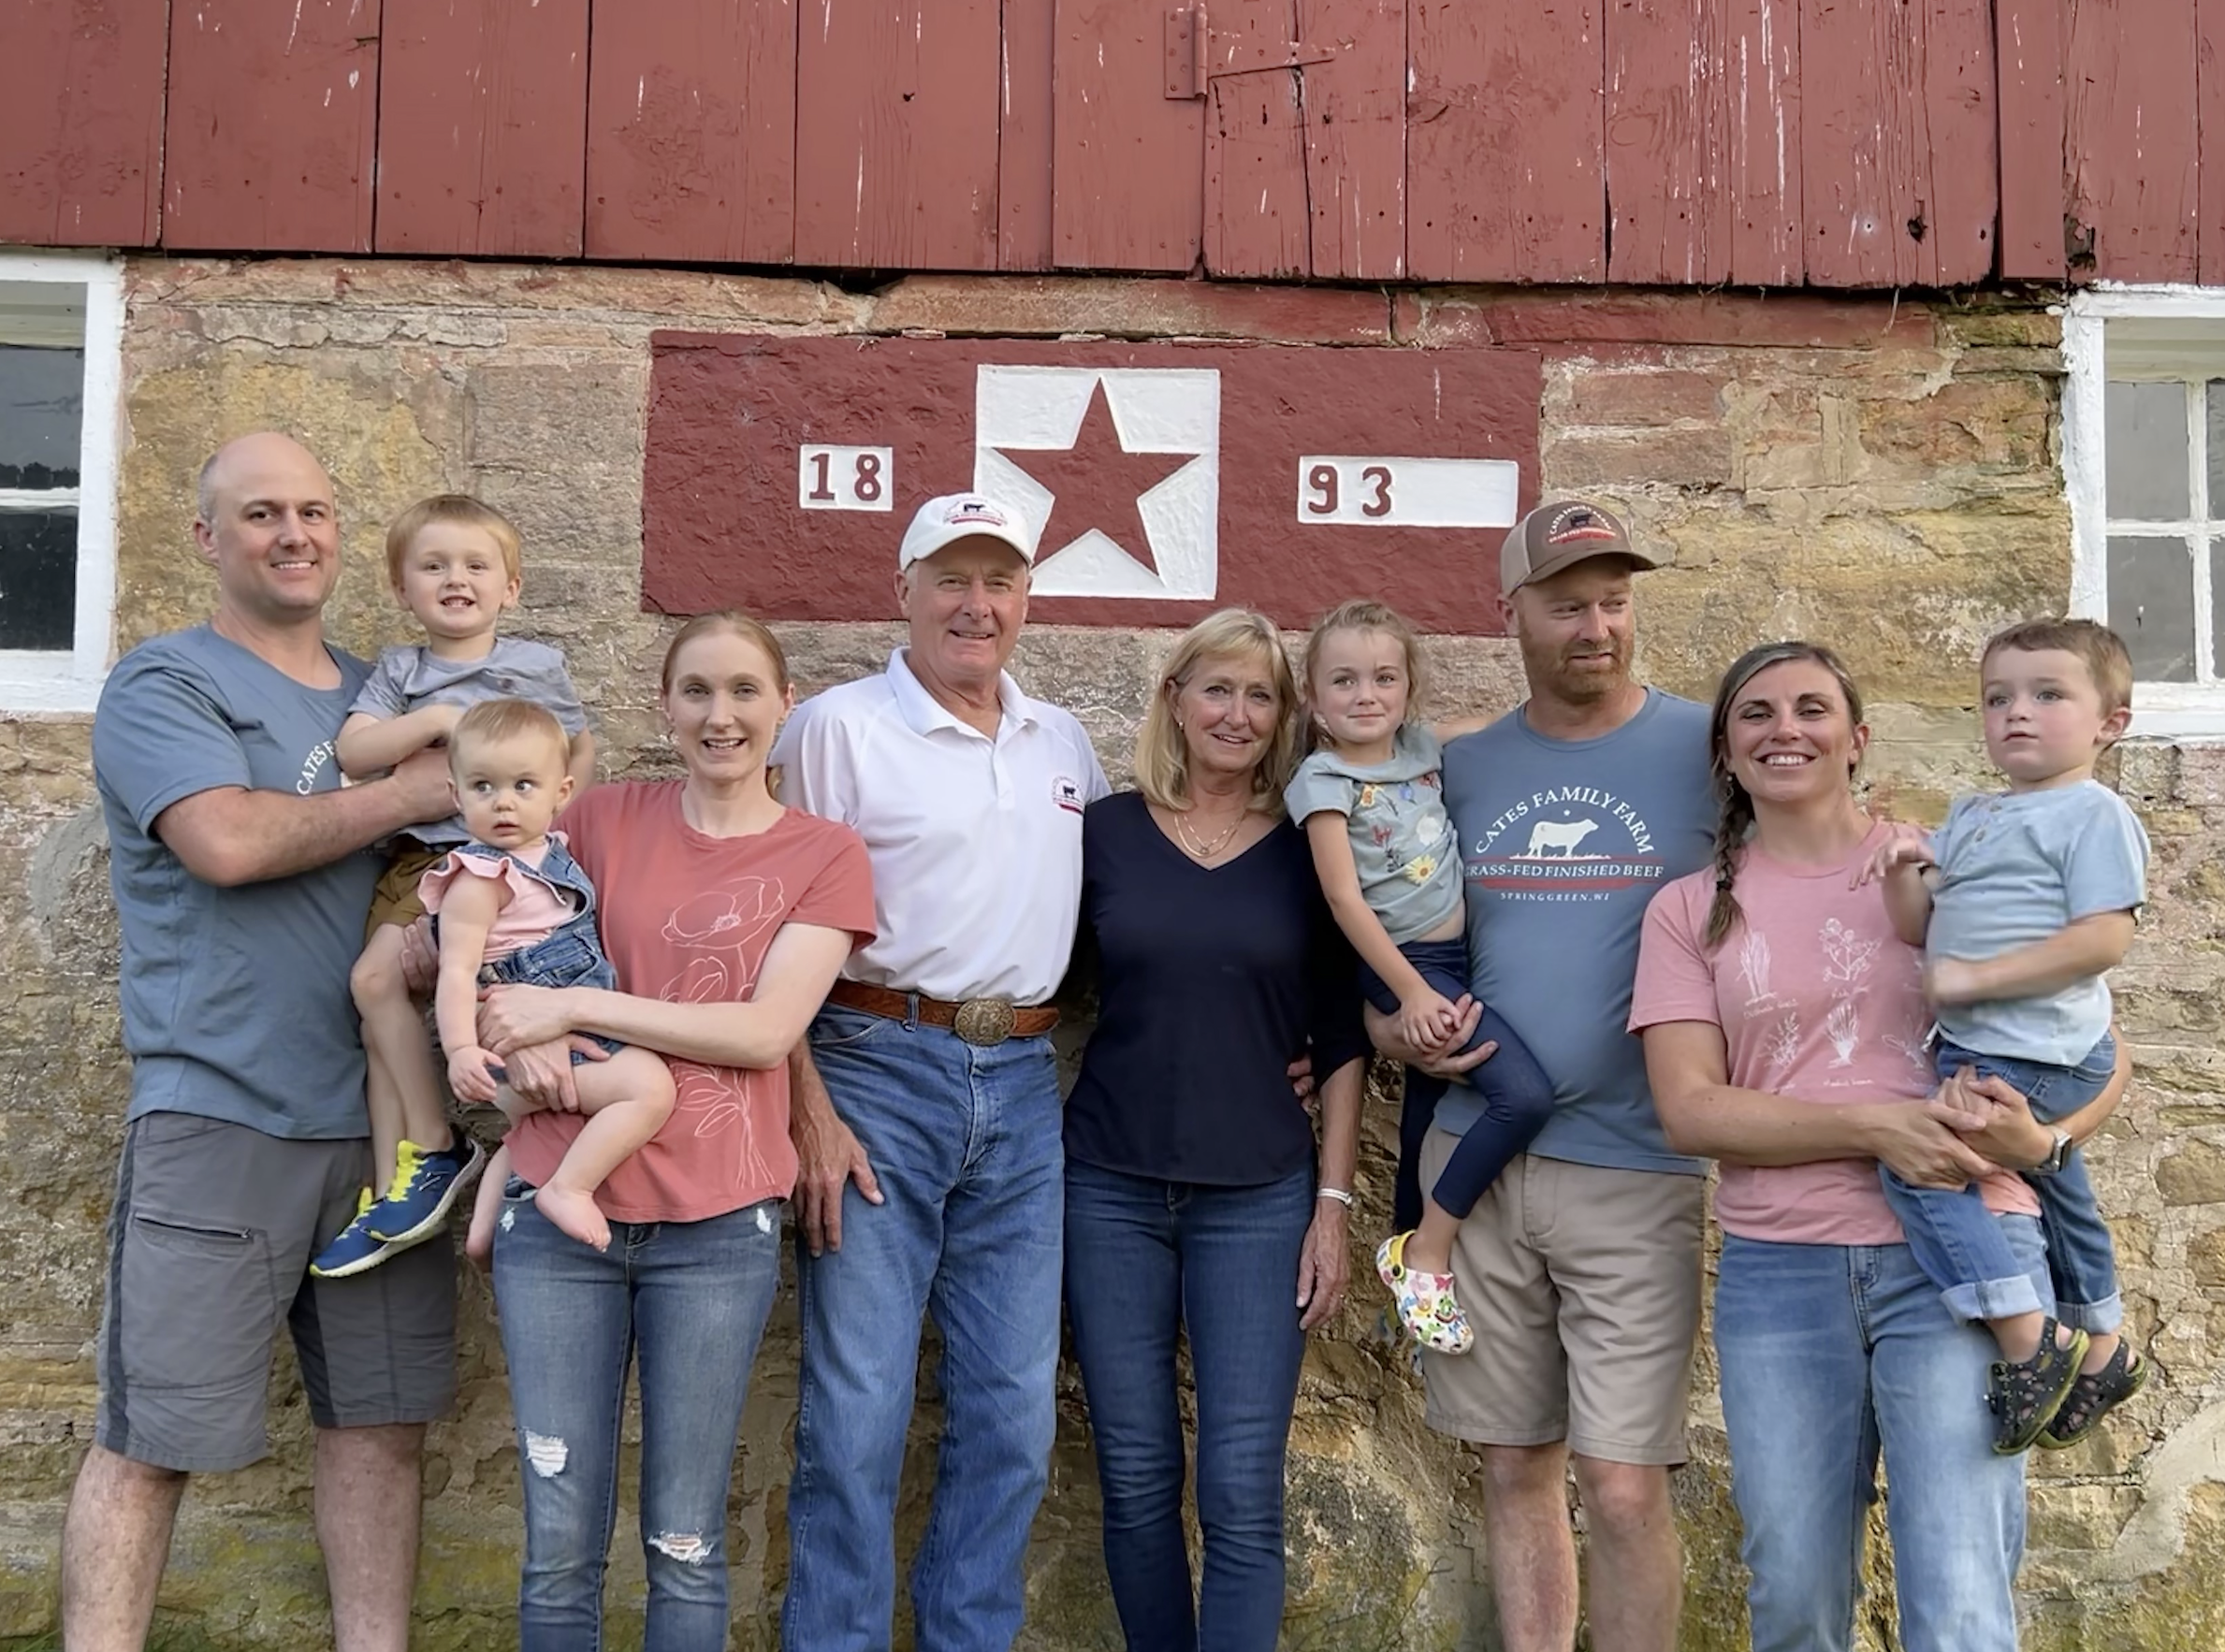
column 1200, row 849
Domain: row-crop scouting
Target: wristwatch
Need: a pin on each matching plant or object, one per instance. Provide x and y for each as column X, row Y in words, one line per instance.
column 2057, row 1156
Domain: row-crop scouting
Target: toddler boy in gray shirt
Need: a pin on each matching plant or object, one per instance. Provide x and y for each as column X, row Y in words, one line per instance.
column 454, row 565
column 2022, row 900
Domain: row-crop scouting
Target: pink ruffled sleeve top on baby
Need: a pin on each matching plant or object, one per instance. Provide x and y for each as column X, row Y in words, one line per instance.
column 535, row 909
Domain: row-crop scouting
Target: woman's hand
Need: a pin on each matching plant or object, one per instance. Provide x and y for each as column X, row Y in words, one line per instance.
column 541, row 1074
column 1324, row 1264
column 1993, row 1116
column 512, row 1017
column 1918, row 1143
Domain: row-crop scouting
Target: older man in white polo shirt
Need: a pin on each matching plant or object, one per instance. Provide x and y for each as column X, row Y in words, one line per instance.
column 927, row 1105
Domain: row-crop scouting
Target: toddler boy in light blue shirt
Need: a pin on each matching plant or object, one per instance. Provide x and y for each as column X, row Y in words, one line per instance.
column 2022, row 901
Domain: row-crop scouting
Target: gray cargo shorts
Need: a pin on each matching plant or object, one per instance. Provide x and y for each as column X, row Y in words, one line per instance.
column 209, row 1253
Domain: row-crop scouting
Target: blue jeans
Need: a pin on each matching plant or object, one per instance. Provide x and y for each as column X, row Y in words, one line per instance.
column 965, row 1141
column 1830, row 1353
column 1959, row 1243
column 1518, row 1097
column 691, row 1300
column 1145, row 1261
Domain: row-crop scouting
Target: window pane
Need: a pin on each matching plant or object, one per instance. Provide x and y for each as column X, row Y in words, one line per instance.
column 2151, row 605
column 2217, row 608
column 38, row 579
column 43, row 409
column 2148, row 458
column 2214, row 394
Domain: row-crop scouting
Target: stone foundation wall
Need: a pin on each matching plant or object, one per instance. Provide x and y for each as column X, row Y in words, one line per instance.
column 1882, row 476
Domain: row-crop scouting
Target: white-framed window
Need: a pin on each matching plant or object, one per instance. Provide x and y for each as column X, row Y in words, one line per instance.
column 61, row 371
column 2143, row 461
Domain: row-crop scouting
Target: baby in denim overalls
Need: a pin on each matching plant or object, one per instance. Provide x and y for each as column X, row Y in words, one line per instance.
column 513, row 906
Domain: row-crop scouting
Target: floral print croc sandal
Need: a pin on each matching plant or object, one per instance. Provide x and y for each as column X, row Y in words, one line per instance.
column 1426, row 1303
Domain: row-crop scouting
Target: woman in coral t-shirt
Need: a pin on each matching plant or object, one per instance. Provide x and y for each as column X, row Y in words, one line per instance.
column 727, row 918
column 1784, row 1025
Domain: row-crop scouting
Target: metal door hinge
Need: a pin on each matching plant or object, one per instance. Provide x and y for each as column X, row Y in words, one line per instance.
column 1198, row 54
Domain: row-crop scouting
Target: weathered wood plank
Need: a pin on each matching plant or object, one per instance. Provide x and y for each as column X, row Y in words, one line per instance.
column 81, row 122
column 1505, row 134
column 1128, row 178
column 2028, row 40
column 483, row 127
column 691, row 148
column 270, row 127
column 2133, row 142
column 1258, row 221
column 1024, row 135
column 896, row 148
column 1898, row 144
column 1353, row 118
column 2209, row 88
column 1703, row 122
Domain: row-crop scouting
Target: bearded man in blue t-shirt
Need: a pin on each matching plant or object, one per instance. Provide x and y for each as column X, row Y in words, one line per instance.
column 1579, row 1268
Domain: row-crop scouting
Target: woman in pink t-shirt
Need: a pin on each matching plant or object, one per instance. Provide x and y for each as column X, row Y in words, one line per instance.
column 727, row 918
column 1784, row 1025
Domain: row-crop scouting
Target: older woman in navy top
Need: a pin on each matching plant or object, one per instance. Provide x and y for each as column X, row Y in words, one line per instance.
column 1196, row 1197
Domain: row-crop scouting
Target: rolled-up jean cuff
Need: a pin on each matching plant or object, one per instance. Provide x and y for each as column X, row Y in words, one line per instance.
column 1993, row 1298
column 2095, row 1318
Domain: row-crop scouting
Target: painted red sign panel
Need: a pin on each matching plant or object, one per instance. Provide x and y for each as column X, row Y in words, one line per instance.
column 1163, row 481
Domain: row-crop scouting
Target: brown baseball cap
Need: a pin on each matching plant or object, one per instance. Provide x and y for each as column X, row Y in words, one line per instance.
column 1559, row 534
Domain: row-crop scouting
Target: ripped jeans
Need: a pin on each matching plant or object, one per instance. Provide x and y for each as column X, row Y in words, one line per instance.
column 690, row 1297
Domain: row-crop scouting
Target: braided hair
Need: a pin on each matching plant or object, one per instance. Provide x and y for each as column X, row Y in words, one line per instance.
column 1734, row 818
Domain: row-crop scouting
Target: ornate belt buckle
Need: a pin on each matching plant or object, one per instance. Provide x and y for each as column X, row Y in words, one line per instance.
column 985, row 1021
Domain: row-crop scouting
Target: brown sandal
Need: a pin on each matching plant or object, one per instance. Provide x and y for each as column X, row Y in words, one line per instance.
column 2093, row 1396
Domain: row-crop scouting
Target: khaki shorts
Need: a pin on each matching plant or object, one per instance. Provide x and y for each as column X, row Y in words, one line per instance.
column 1583, row 1286
column 395, row 901
column 209, row 1245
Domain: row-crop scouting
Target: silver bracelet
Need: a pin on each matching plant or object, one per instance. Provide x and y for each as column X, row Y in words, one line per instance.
column 1341, row 1195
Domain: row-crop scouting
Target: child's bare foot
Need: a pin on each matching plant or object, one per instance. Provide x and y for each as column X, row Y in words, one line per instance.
column 573, row 1212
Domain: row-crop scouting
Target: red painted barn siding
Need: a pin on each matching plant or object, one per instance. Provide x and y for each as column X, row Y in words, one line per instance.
column 81, row 121
column 273, row 112
column 2133, row 144
column 690, row 147
column 1835, row 143
column 1127, row 178
column 895, row 133
column 483, row 111
column 1504, row 177
column 2029, row 36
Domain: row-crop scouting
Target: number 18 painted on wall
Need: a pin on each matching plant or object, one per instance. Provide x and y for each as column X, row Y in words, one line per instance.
column 846, row 478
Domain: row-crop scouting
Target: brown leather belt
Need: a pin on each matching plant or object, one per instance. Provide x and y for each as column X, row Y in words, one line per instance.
column 977, row 1020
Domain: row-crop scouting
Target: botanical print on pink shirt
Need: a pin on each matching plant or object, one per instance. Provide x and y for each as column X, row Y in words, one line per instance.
column 1817, row 999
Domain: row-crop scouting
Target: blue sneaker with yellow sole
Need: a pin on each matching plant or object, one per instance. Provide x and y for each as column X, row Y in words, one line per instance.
column 356, row 1248
column 427, row 1185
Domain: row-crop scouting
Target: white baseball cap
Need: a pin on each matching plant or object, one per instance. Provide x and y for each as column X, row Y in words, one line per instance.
column 952, row 516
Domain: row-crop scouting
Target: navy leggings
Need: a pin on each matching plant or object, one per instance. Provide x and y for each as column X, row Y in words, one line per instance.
column 1518, row 1097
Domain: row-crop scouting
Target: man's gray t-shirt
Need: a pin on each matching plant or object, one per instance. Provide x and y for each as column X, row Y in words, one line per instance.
column 412, row 676
column 1402, row 843
column 1563, row 843
column 2015, row 868
column 236, row 1001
